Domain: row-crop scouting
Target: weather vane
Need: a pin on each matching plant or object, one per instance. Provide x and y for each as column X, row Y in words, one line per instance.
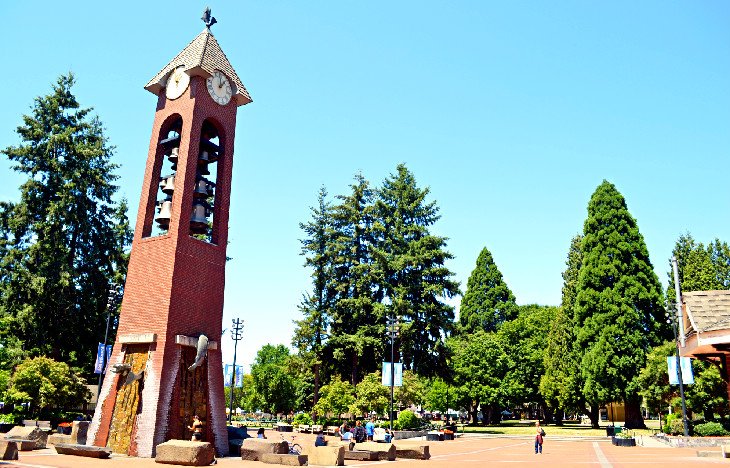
column 208, row 19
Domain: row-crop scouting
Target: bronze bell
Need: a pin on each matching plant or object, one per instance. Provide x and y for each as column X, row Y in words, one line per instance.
column 164, row 211
column 199, row 217
column 173, row 155
column 167, row 184
column 204, row 157
column 201, row 187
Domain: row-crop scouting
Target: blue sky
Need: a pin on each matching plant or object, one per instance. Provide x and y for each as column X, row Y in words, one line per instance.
column 511, row 112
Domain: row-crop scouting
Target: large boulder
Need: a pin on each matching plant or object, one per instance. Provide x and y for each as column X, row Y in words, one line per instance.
column 252, row 448
column 78, row 432
column 185, row 452
column 384, row 451
column 8, row 450
column 29, row 433
column 326, row 455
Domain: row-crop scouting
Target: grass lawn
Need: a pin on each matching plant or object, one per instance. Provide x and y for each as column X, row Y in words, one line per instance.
column 515, row 427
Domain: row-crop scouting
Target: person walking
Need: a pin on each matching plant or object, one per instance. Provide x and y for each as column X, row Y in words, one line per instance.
column 540, row 433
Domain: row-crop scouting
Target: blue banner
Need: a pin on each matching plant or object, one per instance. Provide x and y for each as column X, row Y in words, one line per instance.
column 100, row 357
column 228, row 375
column 397, row 370
column 686, row 365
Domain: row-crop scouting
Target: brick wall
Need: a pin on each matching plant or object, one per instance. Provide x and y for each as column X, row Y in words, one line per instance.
column 175, row 283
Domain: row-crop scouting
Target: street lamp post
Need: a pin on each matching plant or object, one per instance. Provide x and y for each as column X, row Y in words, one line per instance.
column 236, row 334
column 676, row 321
column 111, row 303
column 393, row 328
column 672, row 320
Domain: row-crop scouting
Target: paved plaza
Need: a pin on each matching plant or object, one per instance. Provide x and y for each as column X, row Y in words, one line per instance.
column 474, row 451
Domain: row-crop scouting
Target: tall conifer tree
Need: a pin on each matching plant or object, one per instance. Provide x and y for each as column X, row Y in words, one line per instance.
column 412, row 262
column 488, row 301
column 355, row 340
column 63, row 242
column 311, row 332
column 618, row 309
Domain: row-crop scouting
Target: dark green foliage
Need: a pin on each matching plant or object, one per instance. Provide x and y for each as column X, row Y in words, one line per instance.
column 311, row 332
column 523, row 339
column 370, row 248
column 63, row 242
column 709, row 429
column 560, row 385
column 700, row 268
column 412, row 263
column 618, row 308
column 480, row 364
column 356, row 336
column 488, row 302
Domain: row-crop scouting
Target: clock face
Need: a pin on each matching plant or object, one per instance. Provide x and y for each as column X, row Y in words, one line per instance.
column 177, row 83
column 220, row 88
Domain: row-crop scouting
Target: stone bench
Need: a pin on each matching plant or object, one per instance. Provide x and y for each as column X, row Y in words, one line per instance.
column 24, row 445
column 8, row 450
column 185, row 452
column 284, row 459
column 29, row 433
column 361, row 455
column 383, row 451
column 413, row 451
column 83, row 450
column 327, row 455
column 252, row 449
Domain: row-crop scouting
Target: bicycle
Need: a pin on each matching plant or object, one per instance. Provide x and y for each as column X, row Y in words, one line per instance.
column 294, row 448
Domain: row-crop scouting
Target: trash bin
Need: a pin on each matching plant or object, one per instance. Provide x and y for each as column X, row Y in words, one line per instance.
column 610, row 431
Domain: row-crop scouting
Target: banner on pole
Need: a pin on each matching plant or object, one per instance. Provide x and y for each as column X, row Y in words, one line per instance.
column 228, row 375
column 100, row 358
column 397, row 370
column 686, row 365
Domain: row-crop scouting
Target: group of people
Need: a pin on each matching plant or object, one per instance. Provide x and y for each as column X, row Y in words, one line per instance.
column 358, row 433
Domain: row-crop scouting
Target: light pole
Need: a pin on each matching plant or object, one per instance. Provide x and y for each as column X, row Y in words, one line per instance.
column 393, row 328
column 672, row 319
column 113, row 297
column 676, row 321
column 236, row 334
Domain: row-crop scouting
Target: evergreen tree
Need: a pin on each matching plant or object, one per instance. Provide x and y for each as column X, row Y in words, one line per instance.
column 700, row 268
column 311, row 332
column 488, row 301
column 412, row 263
column 356, row 340
column 523, row 339
column 63, row 242
column 618, row 307
column 560, row 385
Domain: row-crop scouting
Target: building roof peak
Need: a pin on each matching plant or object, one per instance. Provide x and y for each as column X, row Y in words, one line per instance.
column 201, row 57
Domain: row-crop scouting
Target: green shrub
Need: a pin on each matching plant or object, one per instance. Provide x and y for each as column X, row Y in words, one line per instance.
column 302, row 418
column 677, row 427
column 407, row 420
column 710, row 429
column 667, row 427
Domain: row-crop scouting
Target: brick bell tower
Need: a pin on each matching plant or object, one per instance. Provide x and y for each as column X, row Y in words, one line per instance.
column 166, row 363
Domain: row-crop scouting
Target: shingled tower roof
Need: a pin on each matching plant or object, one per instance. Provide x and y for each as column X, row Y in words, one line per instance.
column 201, row 57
